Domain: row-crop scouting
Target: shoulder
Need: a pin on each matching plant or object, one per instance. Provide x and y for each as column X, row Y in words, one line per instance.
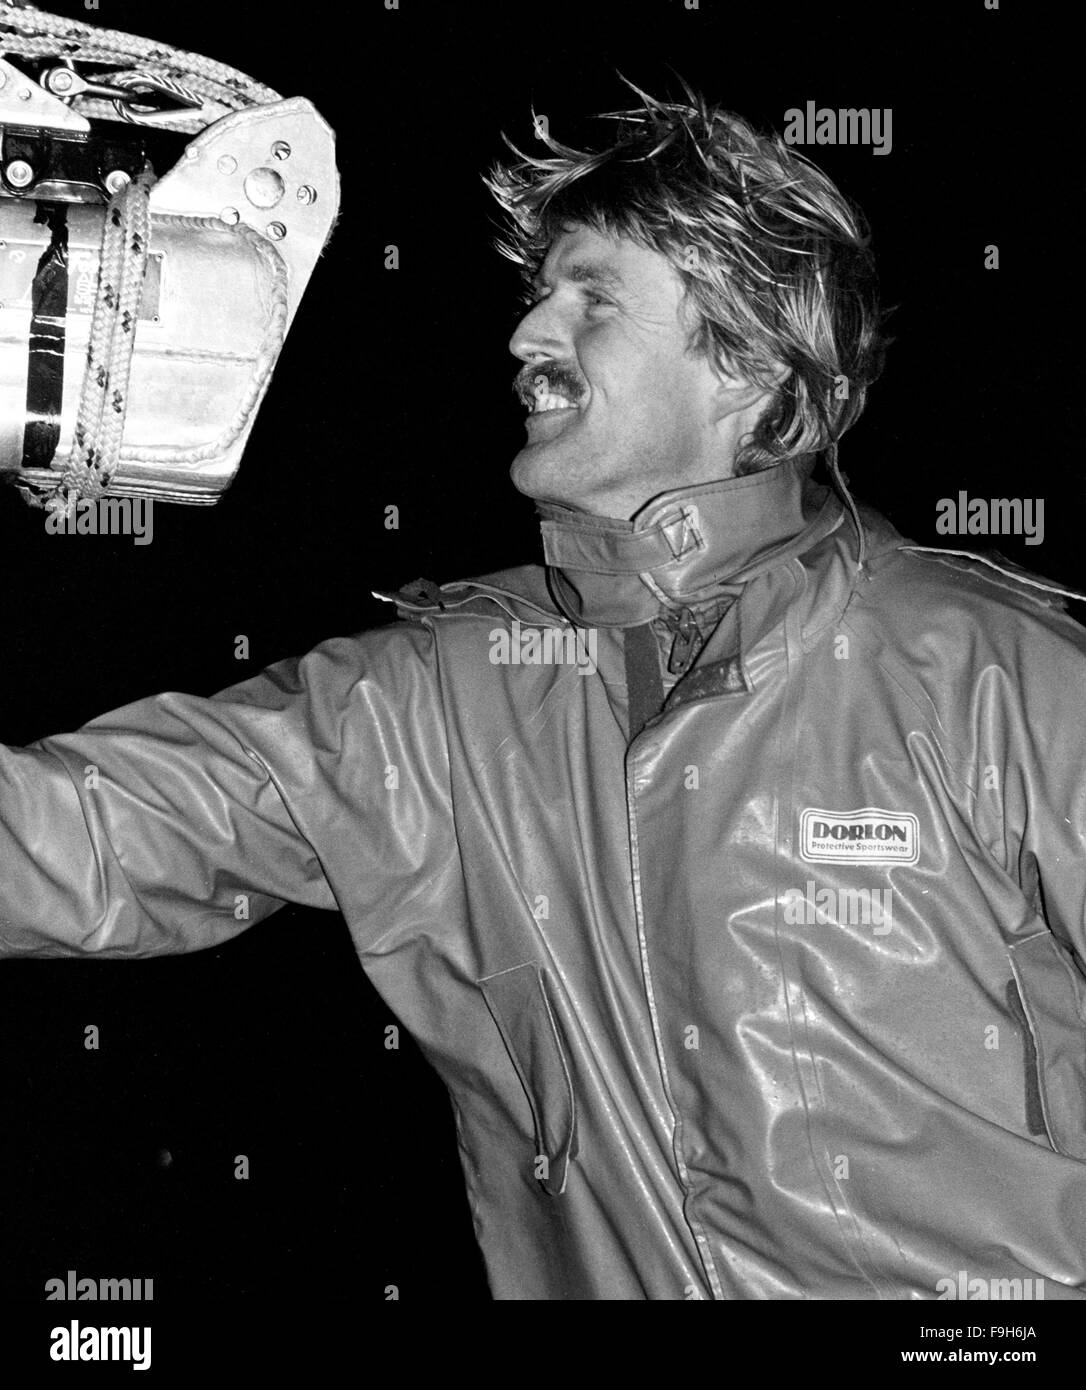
column 955, row 619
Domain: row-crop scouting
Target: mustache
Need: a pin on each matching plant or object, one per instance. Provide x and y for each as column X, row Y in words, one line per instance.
column 556, row 378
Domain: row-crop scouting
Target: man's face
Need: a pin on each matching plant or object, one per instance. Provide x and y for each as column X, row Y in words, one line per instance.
column 628, row 412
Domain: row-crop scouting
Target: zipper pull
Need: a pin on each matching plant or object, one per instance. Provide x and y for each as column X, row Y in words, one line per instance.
column 684, row 648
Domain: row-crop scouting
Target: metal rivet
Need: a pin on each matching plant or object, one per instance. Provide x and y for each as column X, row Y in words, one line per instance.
column 230, row 216
column 117, row 179
column 276, row 231
column 191, row 153
column 19, row 173
column 307, row 194
column 226, row 164
column 62, row 81
column 24, row 94
column 281, row 150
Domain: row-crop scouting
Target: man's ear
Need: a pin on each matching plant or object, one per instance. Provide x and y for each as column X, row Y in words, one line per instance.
column 736, row 391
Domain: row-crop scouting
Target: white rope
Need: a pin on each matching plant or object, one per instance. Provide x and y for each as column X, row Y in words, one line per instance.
column 32, row 33
column 103, row 402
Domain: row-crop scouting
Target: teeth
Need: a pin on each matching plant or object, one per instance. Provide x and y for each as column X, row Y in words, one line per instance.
column 550, row 402
column 546, row 399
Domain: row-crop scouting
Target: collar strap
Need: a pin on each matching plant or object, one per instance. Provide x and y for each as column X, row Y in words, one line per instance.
column 684, row 547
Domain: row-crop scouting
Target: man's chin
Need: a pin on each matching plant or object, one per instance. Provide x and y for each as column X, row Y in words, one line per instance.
column 537, row 473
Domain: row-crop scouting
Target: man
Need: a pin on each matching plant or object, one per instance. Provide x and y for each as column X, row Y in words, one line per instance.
column 728, row 868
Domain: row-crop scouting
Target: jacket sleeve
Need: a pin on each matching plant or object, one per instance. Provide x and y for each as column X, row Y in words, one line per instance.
column 175, row 822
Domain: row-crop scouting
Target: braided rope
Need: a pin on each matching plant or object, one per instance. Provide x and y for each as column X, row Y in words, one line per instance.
column 136, row 226
column 30, row 32
column 103, row 401
column 217, row 99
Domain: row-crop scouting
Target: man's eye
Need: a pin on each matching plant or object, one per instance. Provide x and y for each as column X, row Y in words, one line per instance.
column 530, row 298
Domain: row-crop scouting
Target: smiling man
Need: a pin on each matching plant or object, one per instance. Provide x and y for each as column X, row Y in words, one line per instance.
column 621, row 410
column 752, row 953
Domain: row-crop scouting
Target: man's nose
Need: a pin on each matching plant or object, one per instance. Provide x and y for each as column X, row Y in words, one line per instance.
column 540, row 334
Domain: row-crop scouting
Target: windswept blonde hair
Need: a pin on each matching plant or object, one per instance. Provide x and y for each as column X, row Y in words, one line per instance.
column 775, row 260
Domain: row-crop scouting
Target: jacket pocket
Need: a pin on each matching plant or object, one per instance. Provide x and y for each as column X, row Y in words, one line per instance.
column 520, row 1004
column 1052, row 992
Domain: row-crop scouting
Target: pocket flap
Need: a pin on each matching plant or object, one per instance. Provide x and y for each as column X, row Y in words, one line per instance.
column 1052, row 995
column 521, row 1007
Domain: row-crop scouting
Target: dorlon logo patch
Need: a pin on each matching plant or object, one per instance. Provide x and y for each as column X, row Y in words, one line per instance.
column 867, row 836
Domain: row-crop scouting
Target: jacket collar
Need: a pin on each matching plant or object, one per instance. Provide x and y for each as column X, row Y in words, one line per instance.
column 685, row 548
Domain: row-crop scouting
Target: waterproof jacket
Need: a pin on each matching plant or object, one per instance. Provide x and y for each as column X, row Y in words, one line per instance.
column 780, row 997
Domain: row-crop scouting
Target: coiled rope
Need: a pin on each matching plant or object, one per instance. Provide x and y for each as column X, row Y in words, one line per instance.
column 103, row 402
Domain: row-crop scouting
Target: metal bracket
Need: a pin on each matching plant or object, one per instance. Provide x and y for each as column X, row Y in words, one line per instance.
column 23, row 102
column 272, row 167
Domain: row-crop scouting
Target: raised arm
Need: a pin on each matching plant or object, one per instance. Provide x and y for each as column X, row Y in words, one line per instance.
column 167, row 825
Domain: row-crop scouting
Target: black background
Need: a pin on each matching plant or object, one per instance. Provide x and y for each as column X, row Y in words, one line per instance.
column 393, row 390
